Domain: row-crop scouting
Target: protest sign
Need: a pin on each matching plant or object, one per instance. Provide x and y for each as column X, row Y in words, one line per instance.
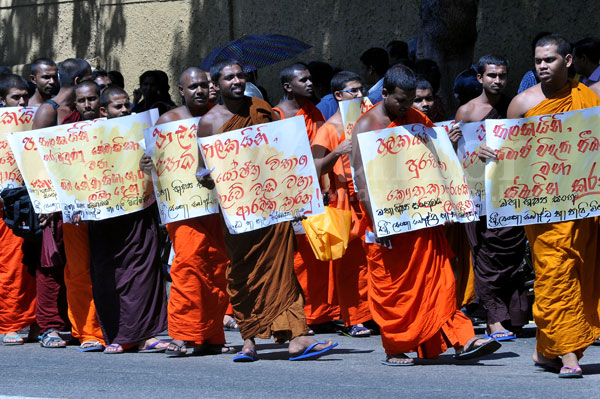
column 95, row 170
column 446, row 125
column 173, row 147
column 351, row 110
column 547, row 168
column 264, row 174
column 12, row 119
column 37, row 179
column 473, row 135
column 414, row 179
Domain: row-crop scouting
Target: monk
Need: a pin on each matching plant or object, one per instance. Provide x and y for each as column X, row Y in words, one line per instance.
column 82, row 311
column 127, row 280
column 565, row 254
column 44, row 74
column 411, row 284
column 51, row 308
column 101, row 78
column 17, row 284
column 497, row 253
column 263, row 289
column 198, row 298
column 312, row 273
column 330, row 149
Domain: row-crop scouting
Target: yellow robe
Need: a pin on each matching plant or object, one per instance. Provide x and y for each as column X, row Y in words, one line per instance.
column 565, row 259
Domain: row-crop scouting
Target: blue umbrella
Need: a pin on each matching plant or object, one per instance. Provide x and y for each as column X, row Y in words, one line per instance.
column 256, row 51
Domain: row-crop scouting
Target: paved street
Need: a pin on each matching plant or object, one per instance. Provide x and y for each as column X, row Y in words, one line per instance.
column 351, row 371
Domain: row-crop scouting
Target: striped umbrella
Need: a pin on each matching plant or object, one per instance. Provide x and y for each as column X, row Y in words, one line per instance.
column 256, row 51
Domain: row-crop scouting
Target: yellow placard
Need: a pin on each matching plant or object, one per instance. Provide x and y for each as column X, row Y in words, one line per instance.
column 12, row 119
column 547, row 169
column 174, row 150
column 351, row 110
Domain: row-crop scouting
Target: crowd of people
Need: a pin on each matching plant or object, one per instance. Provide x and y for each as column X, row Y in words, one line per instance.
column 105, row 283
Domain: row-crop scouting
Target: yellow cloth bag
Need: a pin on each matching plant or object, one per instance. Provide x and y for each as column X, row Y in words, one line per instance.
column 329, row 233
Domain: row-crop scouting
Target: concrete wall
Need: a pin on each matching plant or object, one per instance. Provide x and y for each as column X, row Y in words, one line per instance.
column 137, row 35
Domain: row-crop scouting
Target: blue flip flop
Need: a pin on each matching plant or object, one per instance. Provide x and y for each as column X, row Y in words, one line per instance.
column 308, row 354
column 386, row 362
column 96, row 347
column 153, row 349
column 245, row 357
column 479, row 351
column 505, row 338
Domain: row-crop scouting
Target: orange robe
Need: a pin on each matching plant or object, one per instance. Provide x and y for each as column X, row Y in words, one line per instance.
column 351, row 281
column 198, row 299
column 462, row 264
column 565, row 260
column 17, row 285
column 411, row 287
column 82, row 310
column 314, row 275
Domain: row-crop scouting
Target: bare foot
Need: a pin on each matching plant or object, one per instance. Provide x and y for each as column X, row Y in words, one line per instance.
column 153, row 344
column 400, row 358
column 177, row 346
column 12, row 338
column 299, row 344
column 498, row 330
column 570, row 360
column 249, row 347
column 538, row 358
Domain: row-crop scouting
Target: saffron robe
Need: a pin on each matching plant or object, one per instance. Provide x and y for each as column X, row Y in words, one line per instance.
column 351, row 270
column 565, row 260
column 262, row 286
column 198, row 298
column 17, row 285
column 411, row 287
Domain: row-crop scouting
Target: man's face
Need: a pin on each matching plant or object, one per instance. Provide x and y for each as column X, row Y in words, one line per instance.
column 232, row 82
column 301, row 84
column 102, row 82
column 195, row 89
column 423, row 100
column 150, row 88
column 352, row 89
column 550, row 65
column 119, row 105
column 494, row 79
column 398, row 102
column 213, row 89
column 87, row 103
column 46, row 79
column 16, row 98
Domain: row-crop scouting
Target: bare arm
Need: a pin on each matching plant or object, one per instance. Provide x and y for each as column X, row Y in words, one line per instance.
column 325, row 159
column 44, row 117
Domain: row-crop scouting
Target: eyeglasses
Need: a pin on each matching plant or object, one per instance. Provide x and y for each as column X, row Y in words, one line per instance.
column 354, row 90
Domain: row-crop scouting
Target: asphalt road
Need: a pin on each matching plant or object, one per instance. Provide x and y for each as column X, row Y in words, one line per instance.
column 351, row 371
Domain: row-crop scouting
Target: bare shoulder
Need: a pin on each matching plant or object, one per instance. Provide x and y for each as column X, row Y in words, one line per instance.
column 596, row 88
column 524, row 101
column 174, row 115
column 44, row 117
column 464, row 112
column 213, row 120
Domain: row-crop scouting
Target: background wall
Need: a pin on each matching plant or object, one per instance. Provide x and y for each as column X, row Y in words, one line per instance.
column 136, row 35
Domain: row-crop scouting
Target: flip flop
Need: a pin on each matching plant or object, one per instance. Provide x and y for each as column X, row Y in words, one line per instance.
column 245, row 357
column 152, row 348
column 16, row 337
column 96, row 347
column 575, row 373
column 481, row 350
column 308, row 354
column 354, row 332
column 177, row 352
column 46, row 340
column 386, row 362
column 507, row 336
column 113, row 352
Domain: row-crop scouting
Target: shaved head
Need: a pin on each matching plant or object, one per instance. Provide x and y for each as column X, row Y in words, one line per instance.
column 191, row 71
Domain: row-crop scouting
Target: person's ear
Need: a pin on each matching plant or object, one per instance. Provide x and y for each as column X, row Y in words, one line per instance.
column 480, row 78
column 568, row 60
column 287, row 87
column 103, row 112
column 337, row 95
column 3, row 101
column 384, row 93
column 180, row 87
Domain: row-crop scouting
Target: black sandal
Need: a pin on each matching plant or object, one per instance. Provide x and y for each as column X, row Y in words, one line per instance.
column 179, row 352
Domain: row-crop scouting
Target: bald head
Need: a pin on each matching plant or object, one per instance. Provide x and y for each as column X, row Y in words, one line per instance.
column 193, row 87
